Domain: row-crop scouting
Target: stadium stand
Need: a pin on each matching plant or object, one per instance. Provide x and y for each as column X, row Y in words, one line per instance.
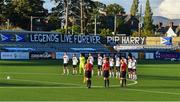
column 53, row 47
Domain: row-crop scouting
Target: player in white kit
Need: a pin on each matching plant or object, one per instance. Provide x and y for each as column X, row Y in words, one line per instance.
column 65, row 62
column 100, row 62
column 74, row 63
column 130, row 67
column 134, row 73
column 117, row 66
column 111, row 64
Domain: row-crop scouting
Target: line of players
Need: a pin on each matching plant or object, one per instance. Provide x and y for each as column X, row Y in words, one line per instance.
column 115, row 66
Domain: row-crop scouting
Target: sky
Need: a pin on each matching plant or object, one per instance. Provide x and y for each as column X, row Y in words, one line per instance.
column 166, row 8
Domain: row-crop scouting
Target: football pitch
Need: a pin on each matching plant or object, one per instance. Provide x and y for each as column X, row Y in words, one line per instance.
column 43, row 81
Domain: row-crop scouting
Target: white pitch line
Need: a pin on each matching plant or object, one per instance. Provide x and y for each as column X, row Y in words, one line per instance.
column 51, row 74
column 47, row 82
column 34, row 73
column 72, row 85
column 157, row 92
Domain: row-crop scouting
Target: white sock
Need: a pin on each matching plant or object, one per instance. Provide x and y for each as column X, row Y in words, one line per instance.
column 113, row 74
column 120, row 81
column 64, row 71
column 116, row 74
column 131, row 76
column 98, row 73
column 119, row 74
column 101, row 73
column 135, row 77
column 110, row 74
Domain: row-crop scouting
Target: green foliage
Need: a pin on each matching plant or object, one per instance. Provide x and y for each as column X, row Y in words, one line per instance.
column 19, row 11
column 120, row 22
column 147, row 33
column 134, row 7
column 61, row 31
column 135, row 34
column 1, row 6
column 74, row 7
column 95, row 15
column 76, row 29
column 143, row 34
column 105, row 32
column 148, row 21
column 4, row 27
column 54, row 22
column 22, row 7
column 114, row 9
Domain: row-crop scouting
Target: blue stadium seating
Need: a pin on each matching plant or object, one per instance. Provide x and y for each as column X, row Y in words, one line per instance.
column 55, row 47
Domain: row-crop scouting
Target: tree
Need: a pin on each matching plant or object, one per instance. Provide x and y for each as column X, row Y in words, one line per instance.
column 54, row 22
column 148, row 21
column 114, row 10
column 105, row 32
column 178, row 30
column 121, row 25
column 1, row 6
column 19, row 11
column 1, row 11
column 74, row 11
column 95, row 15
column 134, row 7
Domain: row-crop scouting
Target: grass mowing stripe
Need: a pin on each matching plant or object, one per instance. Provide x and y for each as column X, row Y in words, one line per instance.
column 53, row 74
column 157, row 92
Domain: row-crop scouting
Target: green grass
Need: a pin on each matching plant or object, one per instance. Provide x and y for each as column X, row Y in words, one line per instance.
column 42, row 81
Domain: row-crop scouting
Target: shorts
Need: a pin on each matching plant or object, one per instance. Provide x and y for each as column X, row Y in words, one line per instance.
column 129, row 69
column 133, row 70
column 118, row 68
column 81, row 65
column 74, row 66
column 106, row 73
column 99, row 66
column 112, row 68
column 88, row 74
column 65, row 64
column 123, row 74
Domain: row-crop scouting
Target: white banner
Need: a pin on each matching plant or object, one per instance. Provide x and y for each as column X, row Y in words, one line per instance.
column 149, row 56
column 59, row 55
column 118, row 48
column 14, row 55
column 134, row 54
